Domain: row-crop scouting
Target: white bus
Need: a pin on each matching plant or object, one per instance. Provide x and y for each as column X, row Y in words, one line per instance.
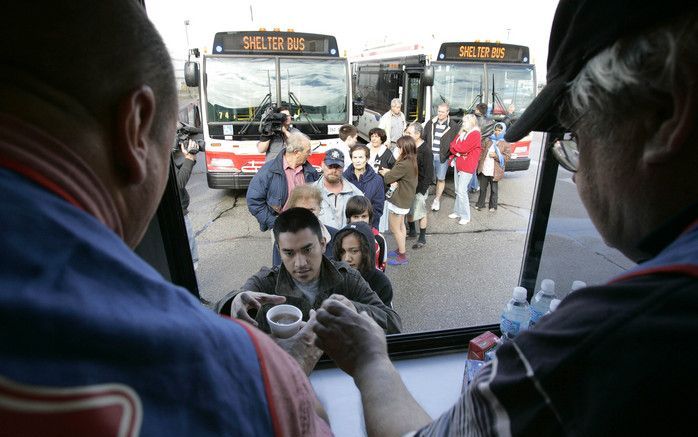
column 249, row 74
column 463, row 74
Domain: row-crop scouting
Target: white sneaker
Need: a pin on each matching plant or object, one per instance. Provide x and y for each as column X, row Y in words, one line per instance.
column 453, row 215
column 463, row 222
column 436, row 204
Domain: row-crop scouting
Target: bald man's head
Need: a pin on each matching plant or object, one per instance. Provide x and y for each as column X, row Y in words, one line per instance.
column 93, row 51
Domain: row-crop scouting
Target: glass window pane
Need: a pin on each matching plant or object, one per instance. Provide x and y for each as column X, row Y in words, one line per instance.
column 319, row 86
column 459, row 85
column 514, row 88
column 573, row 248
column 237, row 86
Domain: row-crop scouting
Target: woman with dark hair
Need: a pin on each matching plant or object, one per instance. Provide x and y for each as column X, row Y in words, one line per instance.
column 362, row 175
column 359, row 209
column 355, row 245
column 380, row 156
column 403, row 178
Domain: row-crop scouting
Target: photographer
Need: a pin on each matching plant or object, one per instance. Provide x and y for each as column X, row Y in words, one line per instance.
column 273, row 138
column 184, row 159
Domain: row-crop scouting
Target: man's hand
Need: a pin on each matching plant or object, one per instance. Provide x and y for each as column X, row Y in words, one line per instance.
column 343, row 299
column 302, row 345
column 185, row 152
column 352, row 340
column 284, row 131
column 251, row 300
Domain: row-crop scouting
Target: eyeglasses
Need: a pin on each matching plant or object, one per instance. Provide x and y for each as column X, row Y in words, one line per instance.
column 565, row 149
column 566, row 152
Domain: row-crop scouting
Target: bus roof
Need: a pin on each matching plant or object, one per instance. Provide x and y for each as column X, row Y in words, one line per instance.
column 275, row 42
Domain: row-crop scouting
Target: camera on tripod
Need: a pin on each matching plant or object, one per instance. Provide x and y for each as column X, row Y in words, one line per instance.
column 185, row 133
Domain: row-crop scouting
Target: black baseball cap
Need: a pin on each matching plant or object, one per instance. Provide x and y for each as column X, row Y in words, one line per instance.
column 334, row 157
column 580, row 30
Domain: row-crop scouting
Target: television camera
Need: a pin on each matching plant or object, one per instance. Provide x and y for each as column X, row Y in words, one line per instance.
column 186, row 132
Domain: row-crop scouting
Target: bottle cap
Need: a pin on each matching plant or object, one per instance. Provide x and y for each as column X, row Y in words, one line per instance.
column 553, row 304
column 548, row 286
column 519, row 293
column 576, row 285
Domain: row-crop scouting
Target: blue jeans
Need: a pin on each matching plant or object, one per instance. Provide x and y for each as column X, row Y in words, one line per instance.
column 192, row 241
column 474, row 184
column 440, row 168
column 462, row 205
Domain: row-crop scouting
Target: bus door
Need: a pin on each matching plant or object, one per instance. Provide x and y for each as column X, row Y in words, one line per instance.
column 413, row 95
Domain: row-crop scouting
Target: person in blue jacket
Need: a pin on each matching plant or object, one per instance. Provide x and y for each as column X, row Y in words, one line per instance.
column 367, row 180
column 94, row 341
column 267, row 195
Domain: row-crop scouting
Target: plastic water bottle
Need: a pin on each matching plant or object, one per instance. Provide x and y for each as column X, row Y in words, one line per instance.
column 515, row 316
column 540, row 304
column 576, row 285
column 553, row 305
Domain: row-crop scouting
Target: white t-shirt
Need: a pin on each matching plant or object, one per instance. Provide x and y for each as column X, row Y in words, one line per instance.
column 488, row 165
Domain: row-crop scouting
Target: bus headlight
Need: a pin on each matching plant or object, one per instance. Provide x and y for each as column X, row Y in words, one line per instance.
column 221, row 162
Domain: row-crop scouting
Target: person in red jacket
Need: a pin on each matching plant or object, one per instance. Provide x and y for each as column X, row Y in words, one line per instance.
column 465, row 153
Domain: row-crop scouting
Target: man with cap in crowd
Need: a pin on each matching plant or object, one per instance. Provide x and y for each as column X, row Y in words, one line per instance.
column 336, row 190
column 620, row 105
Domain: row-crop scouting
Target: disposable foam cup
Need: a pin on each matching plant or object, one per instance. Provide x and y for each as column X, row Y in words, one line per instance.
column 284, row 330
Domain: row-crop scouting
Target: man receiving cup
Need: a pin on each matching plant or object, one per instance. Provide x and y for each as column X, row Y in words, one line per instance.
column 305, row 279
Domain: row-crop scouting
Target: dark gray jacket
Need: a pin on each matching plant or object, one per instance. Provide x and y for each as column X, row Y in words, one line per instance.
column 335, row 277
column 448, row 136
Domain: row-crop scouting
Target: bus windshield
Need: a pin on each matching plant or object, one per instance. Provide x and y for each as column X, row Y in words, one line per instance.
column 459, row 85
column 240, row 89
column 237, row 88
column 513, row 86
column 316, row 89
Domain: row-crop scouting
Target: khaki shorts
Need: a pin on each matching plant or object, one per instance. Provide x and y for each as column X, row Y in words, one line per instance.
column 419, row 207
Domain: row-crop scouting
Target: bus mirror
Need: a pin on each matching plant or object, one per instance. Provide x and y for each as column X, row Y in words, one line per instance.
column 191, row 74
column 357, row 108
column 428, row 76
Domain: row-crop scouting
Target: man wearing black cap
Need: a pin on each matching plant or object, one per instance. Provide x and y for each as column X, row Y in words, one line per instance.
column 336, row 191
column 622, row 97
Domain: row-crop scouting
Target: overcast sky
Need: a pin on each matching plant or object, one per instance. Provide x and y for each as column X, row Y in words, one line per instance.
column 363, row 24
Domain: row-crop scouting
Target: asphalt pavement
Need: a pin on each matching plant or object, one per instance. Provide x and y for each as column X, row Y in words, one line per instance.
column 462, row 277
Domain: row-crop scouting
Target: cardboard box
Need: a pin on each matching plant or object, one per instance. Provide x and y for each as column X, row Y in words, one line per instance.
column 478, row 346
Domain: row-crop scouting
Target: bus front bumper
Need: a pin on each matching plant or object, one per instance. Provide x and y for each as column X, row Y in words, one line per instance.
column 518, row 164
column 229, row 180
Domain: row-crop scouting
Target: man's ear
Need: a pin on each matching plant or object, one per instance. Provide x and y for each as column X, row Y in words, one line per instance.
column 134, row 123
column 673, row 134
column 323, row 244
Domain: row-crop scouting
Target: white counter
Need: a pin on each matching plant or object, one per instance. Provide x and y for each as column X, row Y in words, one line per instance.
column 435, row 382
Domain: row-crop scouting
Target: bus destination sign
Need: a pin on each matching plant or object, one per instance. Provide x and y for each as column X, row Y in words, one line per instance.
column 483, row 51
column 285, row 43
